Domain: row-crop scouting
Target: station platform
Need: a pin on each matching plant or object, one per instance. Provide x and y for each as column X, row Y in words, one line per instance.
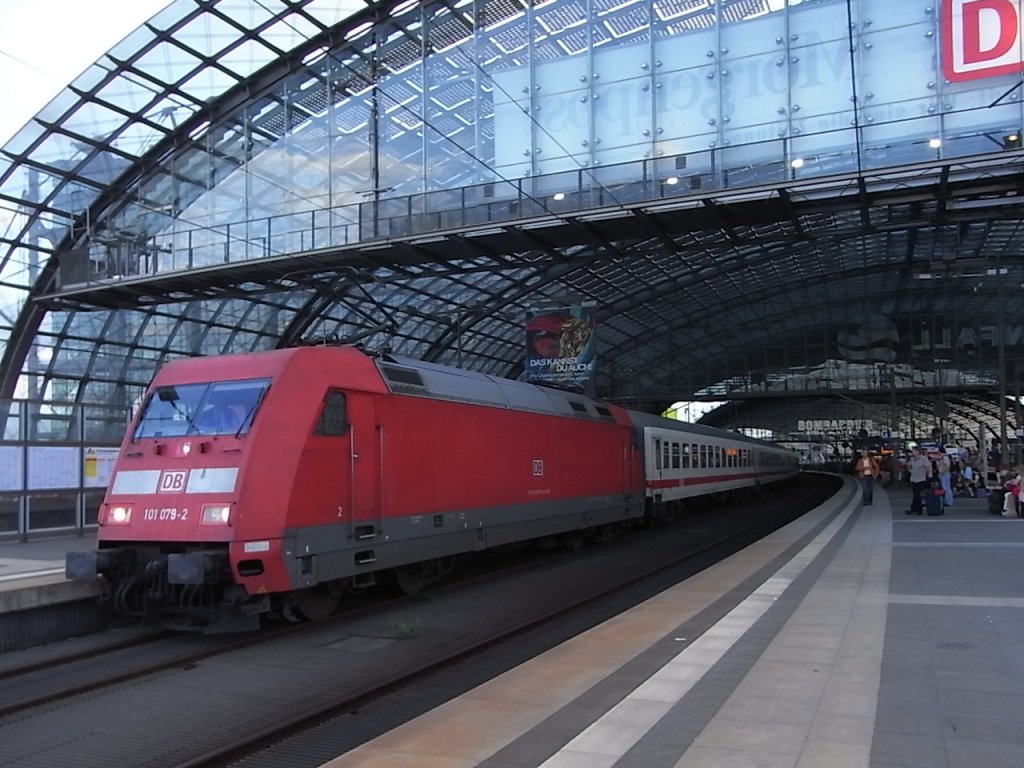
column 856, row 636
column 32, row 572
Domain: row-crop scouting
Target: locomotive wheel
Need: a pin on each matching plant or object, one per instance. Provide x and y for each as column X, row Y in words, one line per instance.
column 411, row 579
column 312, row 604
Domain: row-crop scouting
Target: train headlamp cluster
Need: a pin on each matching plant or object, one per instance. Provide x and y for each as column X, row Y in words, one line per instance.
column 216, row 514
column 119, row 515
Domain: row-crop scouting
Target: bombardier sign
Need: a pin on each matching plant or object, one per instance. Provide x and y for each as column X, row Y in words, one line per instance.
column 981, row 38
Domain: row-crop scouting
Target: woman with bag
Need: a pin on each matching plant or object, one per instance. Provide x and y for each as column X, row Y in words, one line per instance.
column 867, row 471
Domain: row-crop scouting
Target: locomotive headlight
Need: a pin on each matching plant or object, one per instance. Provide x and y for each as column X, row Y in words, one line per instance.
column 215, row 514
column 119, row 515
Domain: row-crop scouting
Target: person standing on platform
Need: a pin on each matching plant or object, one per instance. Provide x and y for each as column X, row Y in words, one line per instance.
column 943, row 468
column 970, row 484
column 1011, row 499
column 867, row 471
column 919, row 468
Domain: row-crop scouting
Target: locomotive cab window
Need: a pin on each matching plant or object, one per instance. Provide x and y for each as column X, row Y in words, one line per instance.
column 213, row 408
column 333, row 421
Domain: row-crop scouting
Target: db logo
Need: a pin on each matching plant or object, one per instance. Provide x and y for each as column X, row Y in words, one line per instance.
column 980, row 38
column 172, row 481
column 538, row 467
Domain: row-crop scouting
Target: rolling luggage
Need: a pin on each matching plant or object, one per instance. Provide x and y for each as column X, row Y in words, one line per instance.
column 995, row 501
column 934, row 500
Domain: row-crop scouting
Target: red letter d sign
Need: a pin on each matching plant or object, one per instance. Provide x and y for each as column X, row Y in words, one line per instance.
column 980, row 38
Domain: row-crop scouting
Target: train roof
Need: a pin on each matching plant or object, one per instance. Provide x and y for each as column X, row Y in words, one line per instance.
column 408, row 376
column 642, row 419
column 301, row 361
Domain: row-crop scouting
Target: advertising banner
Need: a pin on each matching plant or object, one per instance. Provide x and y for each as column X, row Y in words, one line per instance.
column 561, row 346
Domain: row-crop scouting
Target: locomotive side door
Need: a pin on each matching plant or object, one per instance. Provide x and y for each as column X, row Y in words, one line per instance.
column 365, row 466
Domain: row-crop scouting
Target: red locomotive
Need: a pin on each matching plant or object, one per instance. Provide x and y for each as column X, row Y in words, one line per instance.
column 272, row 481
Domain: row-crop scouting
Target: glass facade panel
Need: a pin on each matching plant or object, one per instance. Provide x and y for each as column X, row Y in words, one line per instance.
column 94, row 120
column 24, row 139
column 513, row 127
column 52, row 510
column 10, row 514
column 56, row 149
column 51, row 423
column 11, row 412
column 104, row 426
column 901, row 30
column 19, row 268
column 754, row 79
column 91, row 504
column 167, row 64
column 136, row 138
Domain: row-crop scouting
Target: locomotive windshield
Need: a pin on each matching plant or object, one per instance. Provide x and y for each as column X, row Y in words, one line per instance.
column 217, row 408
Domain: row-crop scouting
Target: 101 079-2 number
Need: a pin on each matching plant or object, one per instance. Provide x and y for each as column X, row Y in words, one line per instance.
column 164, row 513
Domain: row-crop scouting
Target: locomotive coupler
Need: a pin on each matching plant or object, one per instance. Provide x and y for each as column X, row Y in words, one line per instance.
column 194, row 568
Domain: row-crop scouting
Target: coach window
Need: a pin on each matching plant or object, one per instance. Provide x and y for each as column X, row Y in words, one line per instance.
column 657, row 453
column 664, row 455
column 694, row 458
column 703, row 457
column 675, row 456
column 333, row 420
column 686, row 456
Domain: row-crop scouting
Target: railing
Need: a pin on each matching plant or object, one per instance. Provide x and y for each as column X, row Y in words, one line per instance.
column 501, row 200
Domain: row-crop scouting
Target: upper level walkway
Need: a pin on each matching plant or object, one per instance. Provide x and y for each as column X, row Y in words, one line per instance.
column 714, row 196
